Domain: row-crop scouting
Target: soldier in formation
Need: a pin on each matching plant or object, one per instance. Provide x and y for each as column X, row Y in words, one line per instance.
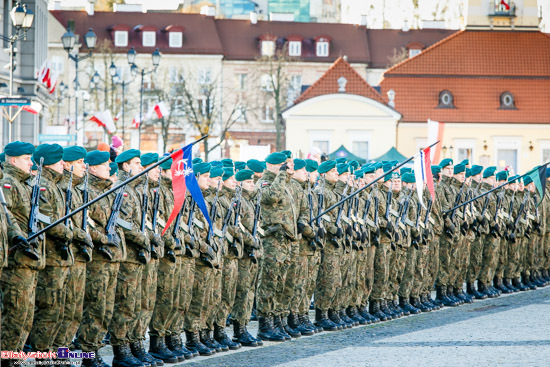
column 377, row 255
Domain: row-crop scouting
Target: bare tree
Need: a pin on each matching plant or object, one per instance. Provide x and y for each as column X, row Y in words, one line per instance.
column 398, row 56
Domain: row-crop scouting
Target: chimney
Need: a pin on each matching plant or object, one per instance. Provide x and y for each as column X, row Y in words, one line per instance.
column 363, row 20
column 253, row 17
column 405, row 26
column 90, row 7
column 391, row 98
column 209, row 11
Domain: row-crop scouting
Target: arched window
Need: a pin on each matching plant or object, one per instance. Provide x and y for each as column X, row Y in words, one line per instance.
column 446, row 99
column 507, row 101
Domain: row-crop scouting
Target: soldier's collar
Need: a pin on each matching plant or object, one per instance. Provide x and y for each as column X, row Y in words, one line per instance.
column 17, row 173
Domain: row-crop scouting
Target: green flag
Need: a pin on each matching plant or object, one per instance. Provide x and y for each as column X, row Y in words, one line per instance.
column 538, row 175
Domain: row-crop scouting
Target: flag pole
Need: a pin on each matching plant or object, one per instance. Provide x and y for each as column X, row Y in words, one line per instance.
column 366, row 186
column 130, row 179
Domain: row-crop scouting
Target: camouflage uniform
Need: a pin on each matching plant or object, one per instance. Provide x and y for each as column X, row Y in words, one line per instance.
column 398, row 254
column 412, row 252
column 128, row 290
column 511, row 264
column 463, row 254
column 52, row 280
column 343, row 293
column 20, row 277
column 436, row 231
column 280, row 217
column 381, row 257
column 476, row 249
column 367, row 268
column 101, row 274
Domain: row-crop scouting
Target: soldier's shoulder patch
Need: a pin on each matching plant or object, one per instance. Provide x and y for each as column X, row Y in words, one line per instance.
column 42, row 189
column 265, row 184
column 7, row 186
column 125, row 194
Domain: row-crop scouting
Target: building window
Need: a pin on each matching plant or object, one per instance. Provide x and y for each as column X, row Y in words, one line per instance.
column 294, row 48
column 323, row 145
column 205, row 76
column 294, row 89
column 267, row 114
column 507, row 101
column 58, row 64
column 175, row 39
column 178, row 107
column 464, row 153
column 121, row 38
column 507, row 158
column 266, row 83
column 241, row 114
column 322, row 49
column 149, row 38
column 446, row 100
column 545, row 155
column 241, row 81
column 413, row 52
column 360, row 149
column 268, row 48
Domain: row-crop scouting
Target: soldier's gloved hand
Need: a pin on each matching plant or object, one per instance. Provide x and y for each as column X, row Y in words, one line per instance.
column 376, row 232
column 284, row 167
column 364, row 236
column 187, row 238
column 113, row 240
column 321, row 233
column 389, row 227
column 396, row 236
column 235, row 231
column 339, row 232
column 156, row 240
column 349, row 231
column 19, row 241
column 306, row 230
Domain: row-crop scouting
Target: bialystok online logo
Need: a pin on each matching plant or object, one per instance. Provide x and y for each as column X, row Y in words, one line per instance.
column 62, row 353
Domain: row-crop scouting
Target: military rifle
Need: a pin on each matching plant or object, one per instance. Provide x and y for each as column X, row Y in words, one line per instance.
column 367, row 222
column 112, row 236
column 31, row 250
column 143, row 224
column 177, row 224
column 154, row 221
column 339, row 231
column 238, row 193
column 213, row 215
column 312, row 242
column 426, row 220
column 252, row 254
column 512, row 235
column 85, row 197
column 376, row 238
column 63, row 245
column 320, row 233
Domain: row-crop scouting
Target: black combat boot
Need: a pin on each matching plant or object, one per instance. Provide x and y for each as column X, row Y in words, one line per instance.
column 398, row 309
column 123, row 357
column 280, row 327
column 356, row 316
column 345, row 318
column 477, row 293
column 210, row 342
column 174, row 344
column 441, row 292
column 294, row 322
column 335, row 317
column 322, row 320
column 364, row 311
column 374, row 308
column 304, row 320
column 266, row 330
column 194, row 344
column 221, row 337
column 407, row 307
column 519, row 285
column 546, row 275
column 527, row 281
column 139, row 352
column 508, row 284
column 415, row 302
column 289, row 330
column 452, row 296
column 460, row 294
column 500, row 286
column 385, row 309
column 242, row 336
column 425, row 299
column 87, row 362
column 537, row 280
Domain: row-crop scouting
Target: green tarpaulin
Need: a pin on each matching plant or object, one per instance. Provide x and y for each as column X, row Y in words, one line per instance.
column 391, row 155
column 342, row 152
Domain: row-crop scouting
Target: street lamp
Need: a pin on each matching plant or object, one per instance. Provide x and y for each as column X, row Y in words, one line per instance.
column 135, row 70
column 69, row 41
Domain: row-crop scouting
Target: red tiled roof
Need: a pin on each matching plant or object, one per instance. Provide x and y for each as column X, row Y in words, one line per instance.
column 328, row 83
column 476, row 67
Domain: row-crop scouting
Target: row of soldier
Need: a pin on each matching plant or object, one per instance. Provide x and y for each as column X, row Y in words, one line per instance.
column 375, row 257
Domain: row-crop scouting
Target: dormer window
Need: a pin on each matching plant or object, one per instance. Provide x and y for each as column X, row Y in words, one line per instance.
column 175, row 39
column 446, row 100
column 413, row 52
column 322, row 46
column 121, row 38
column 268, row 48
column 507, row 101
column 414, row 48
column 149, row 38
column 294, row 48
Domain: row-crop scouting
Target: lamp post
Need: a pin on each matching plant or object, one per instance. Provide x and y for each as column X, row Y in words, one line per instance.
column 119, row 80
column 60, row 96
column 21, row 18
column 135, row 70
column 69, row 40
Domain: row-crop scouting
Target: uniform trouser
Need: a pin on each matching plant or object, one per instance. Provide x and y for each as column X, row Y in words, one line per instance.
column 300, row 271
column 476, row 259
column 343, row 293
column 313, row 266
column 273, row 273
column 423, row 253
column 502, row 258
column 463, row 264
column 530, row 253
column 214, row 298
column 546, row 262
column 511, row 268
column 148, row 300
column 361, row 259
column 396, row 271
column 127, row 302
column 195, row 317
column 433, row 266
column 329, row 278
column 457, row 252
column 166, row 295
column 99, row 303
column 185, row 275
column 381, row 271
column 18, row 297
column 489, row 262
column 49, row 306
column 230, row 276
column 74, row 304
column 444, row 278
column 293, row 284
column 246, row 289
column 411, row 263
column 369, row 274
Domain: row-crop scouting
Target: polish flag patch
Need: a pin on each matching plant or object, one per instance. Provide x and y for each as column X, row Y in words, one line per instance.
column 125, row 194
column 7, row 186
column 42, row 189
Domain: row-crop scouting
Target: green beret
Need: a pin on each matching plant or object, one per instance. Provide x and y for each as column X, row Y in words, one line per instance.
column 201, row 168
column 113, row 168
column 446, row 162
column 34, row 166
column 276, row 158
column 127, row 155
column 287, row 153
column 377, row 165
column 459, row 168
column 514, row 178
column 96, row 157
column 489, row 171
column 149, row 158
column 341, row 160
column 389, row 176
column 436, row 170
column 358, row 173
column 465, row 162
column 227, row 163
column 299, row 164
column 527, row 180
column 239, row 166
column 255, row 165
column 166, row 165
column 342, row 168
column 387, row 167
column 18, row 148
column 244, row 174
column 405, row 170
column 369, row 168
column 52, row 153
column 216, row 164
column 311, row 165
column 326, row 166
column 394, row 162
column 408, row 177
column 502, row 176
column 2, row 157
column 74, row 153
column 468, row 172
column 227, row 173
column 216, row 172
column 354, row 165
column 196, row 160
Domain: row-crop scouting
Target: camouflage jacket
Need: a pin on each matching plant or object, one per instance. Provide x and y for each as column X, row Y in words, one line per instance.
column 53, row 206
column 233, row 245
column 330, row 198
column 155, row 192
column 166, row 207
column 305, row 248
column 99, row 214
column 248, row 208
column 17, row 191
column 299, row 194
column 278, row 208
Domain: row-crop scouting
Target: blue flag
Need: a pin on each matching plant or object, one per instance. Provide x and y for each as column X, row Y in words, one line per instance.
column 192, row 184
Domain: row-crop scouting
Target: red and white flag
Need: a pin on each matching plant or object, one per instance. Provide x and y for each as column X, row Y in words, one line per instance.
column 159, row 109
column 423, row 174
column 105, row 120
column 44, row 73
column 136, row 121
column 435, row 133
column 34, row 108
column 52, row 82
column 118, row 116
